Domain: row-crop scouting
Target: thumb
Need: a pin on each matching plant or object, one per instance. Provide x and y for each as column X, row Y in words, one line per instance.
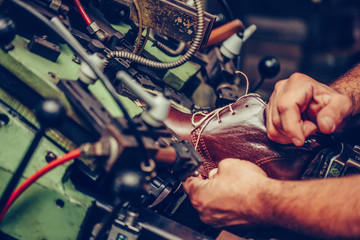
column 326, row 123
column 192, row 184
column 333, row 114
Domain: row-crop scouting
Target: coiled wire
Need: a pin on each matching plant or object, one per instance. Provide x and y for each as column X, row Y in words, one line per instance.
column 160, row 65
column 170, row 51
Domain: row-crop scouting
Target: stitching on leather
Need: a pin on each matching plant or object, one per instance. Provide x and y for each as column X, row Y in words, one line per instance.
column 266, row 158
column 205, row 149
column 194, row 135
column 202, row 149
column 225, row 108
column 199, row 149
column 208, row 166
column 270, row 160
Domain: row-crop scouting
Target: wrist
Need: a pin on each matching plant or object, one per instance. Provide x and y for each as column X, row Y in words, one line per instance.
column 355, row 108
column 344, row 87
column 266, row 201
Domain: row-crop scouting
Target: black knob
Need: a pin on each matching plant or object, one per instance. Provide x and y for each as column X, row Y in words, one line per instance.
column 7, row 30
column 129, row 184
column 50, row 113
column 269, row 67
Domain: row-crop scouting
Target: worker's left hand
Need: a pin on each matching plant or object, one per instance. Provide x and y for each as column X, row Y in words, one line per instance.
column 231, row 196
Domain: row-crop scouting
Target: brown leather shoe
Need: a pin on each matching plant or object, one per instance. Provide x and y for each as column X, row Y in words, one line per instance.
column 180, row 123
column 238, row 131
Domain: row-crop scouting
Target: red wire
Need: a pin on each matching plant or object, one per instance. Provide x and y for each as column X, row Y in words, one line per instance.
column 28, row 182
column 83, row 12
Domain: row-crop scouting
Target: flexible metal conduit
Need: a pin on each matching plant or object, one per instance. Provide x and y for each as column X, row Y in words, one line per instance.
column 160, row 65
column 170, row 51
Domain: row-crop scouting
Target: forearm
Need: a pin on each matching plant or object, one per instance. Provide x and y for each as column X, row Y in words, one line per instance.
column 349, row 84
column 325, row 208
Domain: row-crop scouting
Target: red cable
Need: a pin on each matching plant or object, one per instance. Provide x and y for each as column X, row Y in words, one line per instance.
column 83, row 12
column 28, row 182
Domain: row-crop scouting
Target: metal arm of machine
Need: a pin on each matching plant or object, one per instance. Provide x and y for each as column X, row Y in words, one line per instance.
column 159, row 105
column 180, row 155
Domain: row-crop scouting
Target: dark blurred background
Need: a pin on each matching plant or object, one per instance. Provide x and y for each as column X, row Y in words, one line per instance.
column 320, row 38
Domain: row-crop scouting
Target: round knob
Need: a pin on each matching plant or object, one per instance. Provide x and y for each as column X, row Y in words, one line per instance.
column 129, row 183
column 269, row 67
column 50, row 113
column 7, row 30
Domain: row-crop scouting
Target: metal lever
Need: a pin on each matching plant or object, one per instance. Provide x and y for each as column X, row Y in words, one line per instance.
column 159, row 105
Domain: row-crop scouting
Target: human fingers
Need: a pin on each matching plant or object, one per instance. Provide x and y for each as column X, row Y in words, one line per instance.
column 293, row 103
column 295, row 127
column 292, row 97
column 273, row 123
column 335, row 109
column 291, row 124
column 192, row 184
column 309, row 128
column 237, row 183
column 283, row 122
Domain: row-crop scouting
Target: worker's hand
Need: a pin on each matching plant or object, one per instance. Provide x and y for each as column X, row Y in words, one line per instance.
column 231, row 196
column 300, row 106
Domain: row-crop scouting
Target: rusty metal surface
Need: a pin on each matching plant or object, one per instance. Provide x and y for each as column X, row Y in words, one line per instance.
column 172, row 18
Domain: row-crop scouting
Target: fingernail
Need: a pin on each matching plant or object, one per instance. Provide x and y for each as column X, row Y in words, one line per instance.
column 297, row 141
column 329, row 123
column 213, row 172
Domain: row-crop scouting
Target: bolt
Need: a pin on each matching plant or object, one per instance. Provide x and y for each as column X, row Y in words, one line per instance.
column 4, row 120
column 8, row 47
column 121, row 13
column 60, row 203
column 76, row 60
column 52, row 75
column 50, row 156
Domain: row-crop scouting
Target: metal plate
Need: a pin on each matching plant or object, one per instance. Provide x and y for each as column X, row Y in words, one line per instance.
column 172, row 18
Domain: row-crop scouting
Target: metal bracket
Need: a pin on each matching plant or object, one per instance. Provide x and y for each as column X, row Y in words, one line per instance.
column 55, row 5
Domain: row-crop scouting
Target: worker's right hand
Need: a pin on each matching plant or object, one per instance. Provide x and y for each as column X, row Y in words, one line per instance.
column 300, row 106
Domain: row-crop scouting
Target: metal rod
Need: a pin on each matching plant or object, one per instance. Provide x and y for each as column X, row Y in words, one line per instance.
column 20, row 169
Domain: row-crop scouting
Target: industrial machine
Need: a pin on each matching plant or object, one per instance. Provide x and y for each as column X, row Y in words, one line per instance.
column 85, row 89
column 94, row 81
